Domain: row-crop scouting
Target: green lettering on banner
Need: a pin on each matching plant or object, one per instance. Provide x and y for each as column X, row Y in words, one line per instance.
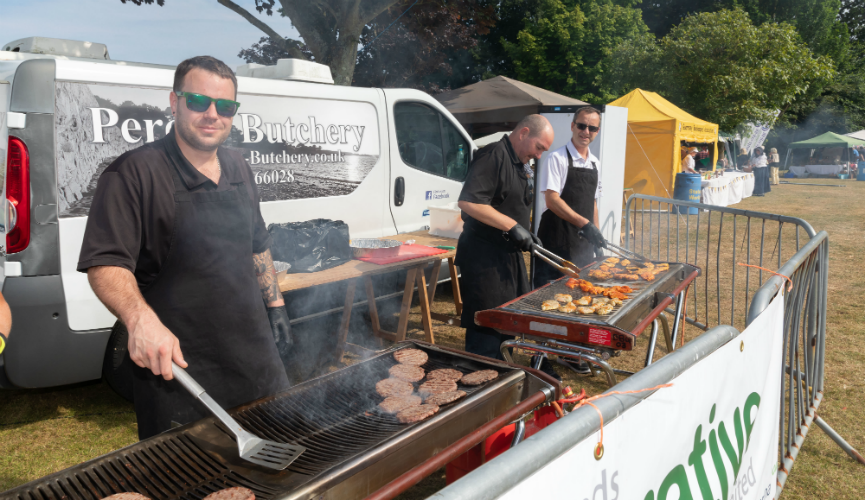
column 735, row 461
column 678, row 477
column 752, row 401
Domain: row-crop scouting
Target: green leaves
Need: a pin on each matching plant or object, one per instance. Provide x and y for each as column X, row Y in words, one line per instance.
column 721, row 67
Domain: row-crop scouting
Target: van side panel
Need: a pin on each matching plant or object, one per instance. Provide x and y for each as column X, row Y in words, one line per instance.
column 33, row 91
column 46, row 353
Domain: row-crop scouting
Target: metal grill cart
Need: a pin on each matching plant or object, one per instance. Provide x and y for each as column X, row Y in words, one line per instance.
column 352, row 448
column 591, row 337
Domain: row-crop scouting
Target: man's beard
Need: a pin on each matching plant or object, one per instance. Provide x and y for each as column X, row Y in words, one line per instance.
column 187, row 132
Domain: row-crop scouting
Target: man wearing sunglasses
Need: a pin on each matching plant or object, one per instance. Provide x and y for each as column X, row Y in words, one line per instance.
column 571, row 189
column 176, row 248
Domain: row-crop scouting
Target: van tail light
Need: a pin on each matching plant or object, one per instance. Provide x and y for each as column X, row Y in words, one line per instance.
column 18, row 194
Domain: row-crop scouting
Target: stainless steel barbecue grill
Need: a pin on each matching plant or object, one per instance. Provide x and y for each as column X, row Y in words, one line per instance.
column 352, row 448
column 591, row 337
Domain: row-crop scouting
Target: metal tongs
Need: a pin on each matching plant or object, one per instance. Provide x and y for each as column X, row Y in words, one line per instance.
column 623, row 252
column 566, row 267
column 259, row 451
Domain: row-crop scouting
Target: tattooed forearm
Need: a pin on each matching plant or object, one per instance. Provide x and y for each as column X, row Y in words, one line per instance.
column 263, row 263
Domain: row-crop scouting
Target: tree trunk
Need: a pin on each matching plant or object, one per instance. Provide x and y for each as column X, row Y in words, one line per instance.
column 343, row 58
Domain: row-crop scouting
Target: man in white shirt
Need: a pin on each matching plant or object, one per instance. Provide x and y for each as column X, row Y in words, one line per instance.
column 571, row 189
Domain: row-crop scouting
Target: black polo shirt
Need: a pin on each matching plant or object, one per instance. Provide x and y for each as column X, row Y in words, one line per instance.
column 131, row 219
column 496, row 177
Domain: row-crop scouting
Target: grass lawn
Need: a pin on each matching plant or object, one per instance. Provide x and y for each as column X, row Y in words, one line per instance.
column 47, row 430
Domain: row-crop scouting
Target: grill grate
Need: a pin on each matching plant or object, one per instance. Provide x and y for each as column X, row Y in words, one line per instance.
column 532, row 302
column 173, row 467
column 334, row 423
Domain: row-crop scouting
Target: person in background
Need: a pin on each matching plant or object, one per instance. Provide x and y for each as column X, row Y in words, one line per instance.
column 855, row 154
column 688, row 161
column 743, row 159
column 774, row 164
column 5, row 322
column 760, row 168
column 496, row 204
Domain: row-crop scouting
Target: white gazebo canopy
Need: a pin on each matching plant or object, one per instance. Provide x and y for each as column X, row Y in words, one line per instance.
column 858, row 135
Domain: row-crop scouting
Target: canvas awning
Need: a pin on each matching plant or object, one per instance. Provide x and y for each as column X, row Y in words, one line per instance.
column 497, row 104
column 828, row 140
column 857, row 135
column 656, row 129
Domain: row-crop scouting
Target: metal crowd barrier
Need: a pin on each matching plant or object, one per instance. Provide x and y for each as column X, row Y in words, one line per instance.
column 804, row 348
column 657, row 232
column 715, row 239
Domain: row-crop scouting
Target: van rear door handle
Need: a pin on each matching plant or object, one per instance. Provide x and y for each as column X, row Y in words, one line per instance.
column 399, row 192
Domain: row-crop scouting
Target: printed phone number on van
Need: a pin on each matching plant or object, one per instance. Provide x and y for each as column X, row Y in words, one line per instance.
column 274, row 177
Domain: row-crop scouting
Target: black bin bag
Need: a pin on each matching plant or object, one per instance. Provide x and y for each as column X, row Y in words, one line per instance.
column 310, row 246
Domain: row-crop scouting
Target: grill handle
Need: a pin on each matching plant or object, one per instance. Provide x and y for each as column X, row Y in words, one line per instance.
column 437, row 461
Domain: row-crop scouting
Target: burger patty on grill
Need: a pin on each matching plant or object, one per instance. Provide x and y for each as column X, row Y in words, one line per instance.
column 416, row 413
column 436, row 386
column 479, row 377
column 414, row 357
column 444, row 398
column 126, row 496
column 408, row 373
column 236, row 493
column 395, row 404
column 393, row 387
column 445, row 374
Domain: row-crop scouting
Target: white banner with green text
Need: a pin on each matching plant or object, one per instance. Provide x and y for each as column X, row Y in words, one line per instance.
column 712, row 434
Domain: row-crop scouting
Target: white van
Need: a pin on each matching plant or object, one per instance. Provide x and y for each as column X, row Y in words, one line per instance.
column 374, row 158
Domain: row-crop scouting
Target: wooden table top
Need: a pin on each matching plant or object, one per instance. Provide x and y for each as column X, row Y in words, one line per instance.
column 358, row 269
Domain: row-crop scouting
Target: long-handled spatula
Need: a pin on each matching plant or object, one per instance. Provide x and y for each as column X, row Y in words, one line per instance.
column 251, row 447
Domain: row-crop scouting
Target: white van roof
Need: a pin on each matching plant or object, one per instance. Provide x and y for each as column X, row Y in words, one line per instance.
column 58, row 47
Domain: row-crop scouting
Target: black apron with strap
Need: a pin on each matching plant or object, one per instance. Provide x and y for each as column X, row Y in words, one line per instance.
column 560, row 236
column 208, row 296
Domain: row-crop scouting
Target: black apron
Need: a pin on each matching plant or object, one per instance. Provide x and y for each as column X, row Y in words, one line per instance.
column 492, row 271
column 560, row 236
column 208, row 296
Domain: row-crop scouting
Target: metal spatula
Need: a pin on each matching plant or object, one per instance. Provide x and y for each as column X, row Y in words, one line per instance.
column 250, row 447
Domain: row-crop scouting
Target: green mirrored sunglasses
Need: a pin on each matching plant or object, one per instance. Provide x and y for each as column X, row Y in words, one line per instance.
column 200, row 103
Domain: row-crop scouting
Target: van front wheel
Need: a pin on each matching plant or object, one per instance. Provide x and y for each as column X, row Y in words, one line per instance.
column 117, row 367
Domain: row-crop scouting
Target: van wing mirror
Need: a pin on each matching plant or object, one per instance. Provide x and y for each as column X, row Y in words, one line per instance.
column 399, row 192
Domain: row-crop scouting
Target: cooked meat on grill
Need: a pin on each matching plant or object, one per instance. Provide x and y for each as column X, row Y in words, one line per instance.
column 625, row 263
column 479, row 377
column 572, row 283
column 393, row 387
column 436, row 386
column 445, row 374
column 550, row 305
column 604, row 310
column 127, row 496
column 615, row 301
column 408, row 373
column 627, row 277
column 563, row 298
column 567, row 308
column 417, row 413
column 611, row 261
column 444, row 398
column 236, row 493
column 584, row 300
column 586, row 310
column 600, row 300
column 396, row 404
column 414, row 357
column 648, row 276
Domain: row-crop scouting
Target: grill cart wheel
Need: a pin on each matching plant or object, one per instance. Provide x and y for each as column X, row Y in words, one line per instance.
column 117, row 367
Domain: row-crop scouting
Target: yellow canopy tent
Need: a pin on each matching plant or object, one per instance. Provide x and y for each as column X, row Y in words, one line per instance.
column 656, row 128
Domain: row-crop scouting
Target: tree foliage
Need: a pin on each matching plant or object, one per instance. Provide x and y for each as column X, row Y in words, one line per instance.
column 721, row 67
column 562, row 49
column 853, row 15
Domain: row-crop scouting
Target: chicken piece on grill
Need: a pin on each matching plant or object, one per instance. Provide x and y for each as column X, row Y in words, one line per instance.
column 612, row 260
column 396, row 404
column 572, row 283
column 648, row 276
column 584, row 300
column 563, row 298
column 612, row 294
column 600, row 300
column 586, row 310
column 408, row 373
column 393, row 387
column 599, row 274
column 416, row 413
column 604, row 310
column 603, row 267
column 414, row 357
column 236, row 493
column 550, row 305
column 625, row 263
column 615, row 302
column 567, row 308
column 627, row 277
